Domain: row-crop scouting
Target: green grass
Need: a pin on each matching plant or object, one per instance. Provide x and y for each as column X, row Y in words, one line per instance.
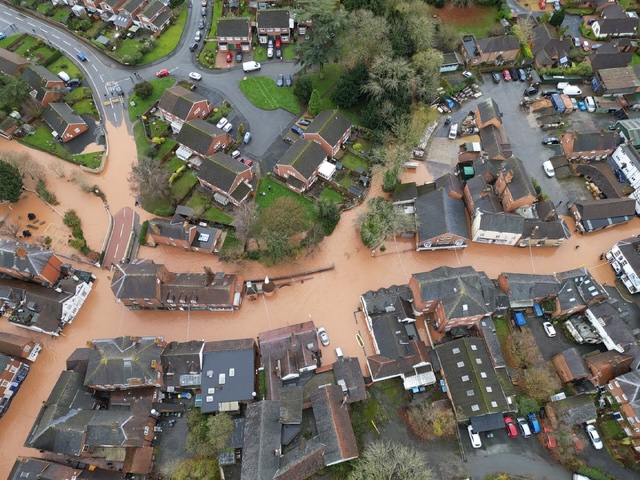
column 332, row 195
column 332, row 72
column 5, row 42
column 91, row 160
column 173, row 163
column 159, row 86
column 351, row 161
column 502, row 328
column 161, row 205
column 86, row 106
column 158, row 127
column 26, row 44
column 212, row 213
column 129, row 46
column 208, row 54
column 260, row 53
column 346, row 182
column 276, row 191
column 264, row 94
column 168, row 40
column 183, row 185
column 140, row 138
column 217, row 13
column 635, row 60
column 477, row 24
column 63, row 64
column 61, row 15
column 43, row 140
column 232, row 244
column 611, row 429
column 288, row 52
column 166, row 146
column 78, row 94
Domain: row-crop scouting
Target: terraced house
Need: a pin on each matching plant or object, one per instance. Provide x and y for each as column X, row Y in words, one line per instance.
column 234, row 34
column 301, row 164
column 178, row 105
column 228, row 179
column 273, row 23
column 64, row 121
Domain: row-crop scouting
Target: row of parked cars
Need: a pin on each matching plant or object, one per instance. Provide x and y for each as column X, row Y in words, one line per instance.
column 509, row 74
column 588, row 104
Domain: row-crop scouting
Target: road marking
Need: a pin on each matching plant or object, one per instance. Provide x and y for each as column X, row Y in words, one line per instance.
column 31, row 24
column 9, row 15
column 115, row 254
column 121, row 230
column 66, row 43
column 94, row 67
column 44, row 31
column 55, row 36
column 76, row 50
column 101, row 79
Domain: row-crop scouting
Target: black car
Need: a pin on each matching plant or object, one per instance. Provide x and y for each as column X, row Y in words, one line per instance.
column 529, row 91
column 496, row 77
column 238, row 57
column 278, row 53
column 193, row 47
column 522, row 74
column 201, row 24
column 551, row 141
column 548, row 93
column 514, row 74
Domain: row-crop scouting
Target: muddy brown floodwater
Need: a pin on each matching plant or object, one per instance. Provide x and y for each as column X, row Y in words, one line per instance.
column 329, row 299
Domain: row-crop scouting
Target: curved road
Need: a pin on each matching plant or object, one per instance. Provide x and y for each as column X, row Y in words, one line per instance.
column 103, row 73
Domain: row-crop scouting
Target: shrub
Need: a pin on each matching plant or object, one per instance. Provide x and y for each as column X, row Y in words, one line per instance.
column 143, row 232
column 46, row 195
column 315, row 103
column 143, row 90
column 303, row 90
column 71, row 219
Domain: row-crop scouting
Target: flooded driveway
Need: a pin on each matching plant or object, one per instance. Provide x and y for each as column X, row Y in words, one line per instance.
column 330, row 299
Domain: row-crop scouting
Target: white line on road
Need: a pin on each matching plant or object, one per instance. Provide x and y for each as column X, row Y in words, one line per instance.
column 101, row 79
column 115, row 254
column 76, row 50
column 121, row 229
column 31, row 24
column 55, row 36
column 94, row 67
column 44, row 31
column 66, row 43
column 9, row 15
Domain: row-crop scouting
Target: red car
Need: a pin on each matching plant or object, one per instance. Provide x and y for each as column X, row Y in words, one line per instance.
column 278, row 44
column 162, row 73
column 542, row 5
column 511, row 427
column 506, row 75
column 229, row 57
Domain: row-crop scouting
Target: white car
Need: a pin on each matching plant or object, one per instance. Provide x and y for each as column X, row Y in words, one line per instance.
column 562, row 85
column 324, row 338
column 594, row 436
column 548, row 169
column 549, row 329
column 227, row 127
column 467, row 74
column 222, row 122
column 591, row 104
column 270, row 52
column 474, row 437
column 195, row 76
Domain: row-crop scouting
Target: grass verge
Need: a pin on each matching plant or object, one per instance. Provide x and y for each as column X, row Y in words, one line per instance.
column 142, row 105
column 264, row 94
column 273, row 190
column 90, row 160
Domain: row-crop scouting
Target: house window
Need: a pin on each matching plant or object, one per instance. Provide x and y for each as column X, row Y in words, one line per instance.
column 494, row 404
column 475, row 408
column 483, row 375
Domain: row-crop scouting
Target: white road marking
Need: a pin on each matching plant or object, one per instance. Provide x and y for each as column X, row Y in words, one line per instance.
column 31, row 24
column 66, row 43
column 115, row 254
column 9, row 15
column 121, row 230
column 94, row 67
column 55, row 36
column 44, row 31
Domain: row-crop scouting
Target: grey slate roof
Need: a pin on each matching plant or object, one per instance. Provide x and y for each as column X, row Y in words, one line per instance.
column 234, row 27
column 261, row 438
column 302, row 461
column 501, row 222
column 166, row 228
column 181, row 364
column 587, row 142
column 487, row 110
column 483, row 195
column 530, row 287
column 221, row 170
column 179, row 101
column 575, row 410
column 439, row 214
column 503, row 43
column 405, row 192
column 494, row 142
column 136, row 280
column 152, row 8
column 575, row 363
column 606, row 208
column 291, row 405
column 618, row 26
column 24, row 257
column 10, row 62
column 630, row 248
column 304, row 156
column 198, row 135
column 630, row 385
column 37, row 468
column 273, row 18
column 602, row 59
column 162, row 18
column 348, row 370
column 60, row 115
column 331, row 125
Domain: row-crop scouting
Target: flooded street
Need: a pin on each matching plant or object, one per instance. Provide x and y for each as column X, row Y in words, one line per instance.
column 329, row 299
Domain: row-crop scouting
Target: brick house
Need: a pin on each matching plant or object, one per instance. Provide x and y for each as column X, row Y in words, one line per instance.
column 178, row 105
column 614, row 22
column 155, row 16
column 29, row 263
column 64, row 121
column 201, row 138
column 492, row 50
column 109, row 6
column 46, row 86
column 11, row 63
column 626, row 391
column 624, row 258
column 18, row 346
column 593, row 215
column 548, row 50
column 589, row 146
column 330, row 129
column 228, row 179
column 182, row 234
column 604, row 367
column 234, row 34
column 300, row 165
column 127, row 12
column 12, row 374
column 274, row 23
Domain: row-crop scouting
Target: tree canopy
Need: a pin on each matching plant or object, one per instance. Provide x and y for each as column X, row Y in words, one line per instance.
column 10, row 182
column 149, row 178
column 381, row 221
column 277, row 226
column 13, row 90
column 208, row 434
column 384, row 459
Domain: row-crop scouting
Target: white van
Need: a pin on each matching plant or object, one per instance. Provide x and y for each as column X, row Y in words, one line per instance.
column 453, row 131
column 64, row 76
column 572, row 90
column 339, row 354
column 250, row 66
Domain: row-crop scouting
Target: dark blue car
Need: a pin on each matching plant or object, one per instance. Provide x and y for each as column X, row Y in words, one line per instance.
column 81, row 57
column 297, row 130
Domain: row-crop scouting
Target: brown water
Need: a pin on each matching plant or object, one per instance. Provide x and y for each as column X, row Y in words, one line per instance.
column 329, row 298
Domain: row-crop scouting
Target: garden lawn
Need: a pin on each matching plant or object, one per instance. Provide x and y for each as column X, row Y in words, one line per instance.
column 5, row 42
column 346, row 183
column 264, row 94
column 168, row 144
column 231, row 244
column 27, row 43
column 351, row 161
column 90, row 160
column 278, row 190
column 217, row 13
column 332, row 72
column 140, row 138
column 635, row 60
column 159, row 86
column 168, row 40
column 183, row 185
column 260, row 53
column 475, row 19
column 129, row 46
column 43, row 140
column 212, row 213
column 331, row 195
column 61, row 15
column 208, row 54
column 63, row 64
column 173, row 163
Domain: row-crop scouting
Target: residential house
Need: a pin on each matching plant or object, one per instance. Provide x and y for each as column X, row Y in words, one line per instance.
column 627, row 159
column 488, row 113
column 441, row 220
column 578, row 290
column 184, row 235
column 301, row 164
column 11, row 63
column 259, row 459
column 524, row 290
column 349, row 376
column 109, row 7
column 178, row 105
column 479, row 196
column 495, row 144
column 234, row 33
column 127, row 12
column 182, row 366
column 29, row 467
column 510, row 181
column 625, row 389
column 570, row 366
column 124, row 363
column 142, row 285
column 30, row 263
column 452, row 297
column 41, row 309
column 544, row 233
column 273, row 23
column 472, row 383
column 549, row 51
column 287, row 353
column 608, row 365
column 331, row 129
column 498, row 228
column 8, row 125
column 228, row 375
column 155, row 16
column 46, row 86
column 228, row 179
column 576, row 410
column 615, row 22
column 18, row 346
column 616, row 81
column 12, row 374
column 599, row 5
column 201, row 138
column 450, row 62
column 491, row 50
column 609, row 56
column 64, row 121
column 399, row 351
column 108, row 430
column 588, row 146
column 624, row 257
column 593, row 215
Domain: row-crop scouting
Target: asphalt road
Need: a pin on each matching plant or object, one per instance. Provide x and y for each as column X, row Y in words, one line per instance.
column 122, row 228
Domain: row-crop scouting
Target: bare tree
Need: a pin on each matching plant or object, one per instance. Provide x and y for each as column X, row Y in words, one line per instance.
column 366, row 39
column 149, row 179
column 58, row 169
column 25, row 164
column 10, row 229
column 385, row 459
column 245, row 221
column 81, row 180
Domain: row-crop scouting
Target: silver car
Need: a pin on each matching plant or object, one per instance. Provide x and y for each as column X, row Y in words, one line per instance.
column 324, row 338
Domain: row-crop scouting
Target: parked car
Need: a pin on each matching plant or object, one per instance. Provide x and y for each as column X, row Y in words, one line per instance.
column 117, row 88
column 324, row 338
column 522, row 74
column 2, row 36
column 496, row 77
column 278, row 53
column 201, row 24
column 222, row 122
column 549, row 329
column 562, row 85
column 585, row 46
column 449, row 103
column 81, row 57
column 278, row 43
column 269, row 52
column 514, row 74
column 204, row 11
column 548, row 93
column 548, row 169
column 533, row 423
column 76, row 82
column 523, row 426
column 297, row 129
column 506, row 75
column 576, row 42
column 195, row 76
column 229, row 57
column 203, row 3
column 453, row 131
column 198, row 36
column 288, row 81
column 467, row 74
column 551, row 141
column 235, row 154
column 280, row 80
column 511, row 427
column 574, row 103
column 556, row 6
column 474, row 437
column 596, row 46
column 581, row 106
column 529, row 91
column 238, row 57
column 247, row 137
column 572, row 90
column 228, row 127
column 594, row 436
column 162, row 72
column 247, row 162
column 590, row 103
column 304, row 122
column 193, row 47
